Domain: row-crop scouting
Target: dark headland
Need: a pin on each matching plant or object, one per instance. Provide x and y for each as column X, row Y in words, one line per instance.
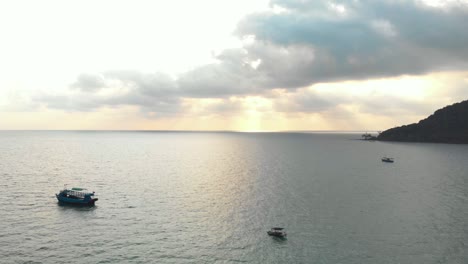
column 446, row 125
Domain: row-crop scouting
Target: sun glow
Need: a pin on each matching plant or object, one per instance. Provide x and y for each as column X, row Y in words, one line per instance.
column 224, row 65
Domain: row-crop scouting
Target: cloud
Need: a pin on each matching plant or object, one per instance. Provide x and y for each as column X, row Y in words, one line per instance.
column 309, row 101
column 296, row 44
column 303, row 101
column 89, row 82
column 151, row 92
column 371, row 39
column 232, row 75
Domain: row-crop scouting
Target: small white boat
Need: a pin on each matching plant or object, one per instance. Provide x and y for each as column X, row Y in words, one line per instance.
column 277, row 232
column 386, row 159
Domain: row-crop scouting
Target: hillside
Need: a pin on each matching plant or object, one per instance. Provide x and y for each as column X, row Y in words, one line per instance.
column 446, row 125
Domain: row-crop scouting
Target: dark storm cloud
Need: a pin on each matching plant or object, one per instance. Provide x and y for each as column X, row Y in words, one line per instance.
column 369, row 39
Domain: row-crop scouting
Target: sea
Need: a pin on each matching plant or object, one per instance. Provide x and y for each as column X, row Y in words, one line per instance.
column 211, row 197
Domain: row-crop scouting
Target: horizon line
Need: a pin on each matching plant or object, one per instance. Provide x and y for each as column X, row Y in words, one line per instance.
column 201, row 131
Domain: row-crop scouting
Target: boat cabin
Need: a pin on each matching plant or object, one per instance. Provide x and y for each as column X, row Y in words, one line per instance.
column 76, row 196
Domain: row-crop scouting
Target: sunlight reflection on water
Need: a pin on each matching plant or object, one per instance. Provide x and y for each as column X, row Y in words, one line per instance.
column 211, row 197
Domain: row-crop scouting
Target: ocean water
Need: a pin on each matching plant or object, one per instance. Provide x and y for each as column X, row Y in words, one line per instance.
column 172, row 197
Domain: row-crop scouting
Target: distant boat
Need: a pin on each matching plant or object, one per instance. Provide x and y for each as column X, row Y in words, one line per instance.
column 386, row 159
column 77, row 196
column 277, row 232
column 367, row 136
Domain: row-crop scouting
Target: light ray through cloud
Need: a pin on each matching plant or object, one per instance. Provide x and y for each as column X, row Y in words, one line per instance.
column 216, row 65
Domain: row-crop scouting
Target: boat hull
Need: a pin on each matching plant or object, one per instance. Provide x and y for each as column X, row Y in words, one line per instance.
column 276, row 234
column 75, row 201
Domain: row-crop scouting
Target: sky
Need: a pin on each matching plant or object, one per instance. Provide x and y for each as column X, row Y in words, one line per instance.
column 245, row 65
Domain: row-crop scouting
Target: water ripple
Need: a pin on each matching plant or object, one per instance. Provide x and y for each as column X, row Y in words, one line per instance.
column 210, row 197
